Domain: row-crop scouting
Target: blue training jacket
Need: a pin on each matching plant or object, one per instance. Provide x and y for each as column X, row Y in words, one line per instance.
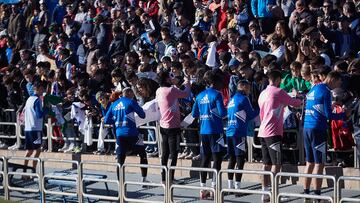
column 121, row 113
column 318, row 108
column 240, row 112
column 209, row 107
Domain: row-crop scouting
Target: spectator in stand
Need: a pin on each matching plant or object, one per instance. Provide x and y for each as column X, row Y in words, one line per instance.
column 261, row 10
column 58, row 13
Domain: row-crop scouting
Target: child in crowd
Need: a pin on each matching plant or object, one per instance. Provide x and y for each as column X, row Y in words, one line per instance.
column 297, row 83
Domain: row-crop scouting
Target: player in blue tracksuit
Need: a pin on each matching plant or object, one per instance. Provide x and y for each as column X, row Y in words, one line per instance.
column 122, row 114
column 210, row 110
column 240, row 112
column 317, row 113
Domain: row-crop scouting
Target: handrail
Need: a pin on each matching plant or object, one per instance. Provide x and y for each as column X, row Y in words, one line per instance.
column 107, row 180
column 38, row 175
column 125, row 183
column 180, row 168
column 343, row 179
column 8, row 136
column 2, row 173
column 245, row 191
column 51, row 176
column 303, row 175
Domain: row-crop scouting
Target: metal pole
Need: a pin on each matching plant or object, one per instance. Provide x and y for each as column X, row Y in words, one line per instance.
column 49, row 132
column 42, row 182
column 18, row 131
column 6, row 180
column 80, row 183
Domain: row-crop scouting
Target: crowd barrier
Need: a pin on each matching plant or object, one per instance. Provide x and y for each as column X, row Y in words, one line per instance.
column 250, row 140
column 168, row 196
column 278, row 194
column 246, row 191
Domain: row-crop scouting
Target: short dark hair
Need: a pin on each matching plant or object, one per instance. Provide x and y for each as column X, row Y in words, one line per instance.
column 273, row 75
column 162, row 77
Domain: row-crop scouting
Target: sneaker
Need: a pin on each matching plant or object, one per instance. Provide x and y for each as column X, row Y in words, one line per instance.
column 69, row 150
column 77, row 150
column 190, row 156
column 3, row 146
column 13, row 147
column 196, row 158
column 99, row 152
column 204, row 194
column 64, row 148
column 265, row 198
column 154, row 154
column 146, row 186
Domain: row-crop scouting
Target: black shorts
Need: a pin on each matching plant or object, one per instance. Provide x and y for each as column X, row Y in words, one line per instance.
column 271, row 150
column 33, row 140
column 213, row 143
column 127, row 144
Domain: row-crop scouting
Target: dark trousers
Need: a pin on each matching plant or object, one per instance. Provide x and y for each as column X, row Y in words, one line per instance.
column 170, row 146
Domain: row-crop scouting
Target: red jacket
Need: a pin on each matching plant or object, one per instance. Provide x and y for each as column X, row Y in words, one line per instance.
column 341, row 133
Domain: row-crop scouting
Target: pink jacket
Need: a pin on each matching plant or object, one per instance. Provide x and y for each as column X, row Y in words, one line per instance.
column 167, row 98
column 272, row 102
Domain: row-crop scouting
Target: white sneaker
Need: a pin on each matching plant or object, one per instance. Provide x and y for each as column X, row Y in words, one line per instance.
column 3, row 146
column 69, row 150
column 14, row 147
column 64, row 148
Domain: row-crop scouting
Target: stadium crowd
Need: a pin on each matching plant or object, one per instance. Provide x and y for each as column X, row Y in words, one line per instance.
column 233, row 64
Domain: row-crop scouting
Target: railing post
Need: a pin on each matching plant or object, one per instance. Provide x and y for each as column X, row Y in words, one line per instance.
column 49, row 132
column 250, row 141
column 6, row 180
column 80, row 183
column 18, row 130
column 42, row 182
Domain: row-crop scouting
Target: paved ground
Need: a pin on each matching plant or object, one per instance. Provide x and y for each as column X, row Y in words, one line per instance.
column 152, row 194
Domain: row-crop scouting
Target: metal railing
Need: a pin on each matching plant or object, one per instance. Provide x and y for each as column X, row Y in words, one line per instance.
column 246, row 191
column 2, row 173
column 80, row 180
column 83, row 179
column 298, row 195
column 172, row 187
column 46, row 177
column 339, row 196
column 20, row 189
column 124, row 183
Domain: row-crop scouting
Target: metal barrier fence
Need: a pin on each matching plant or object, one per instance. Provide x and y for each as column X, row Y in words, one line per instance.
column 246, row 191
column 2, row 174
column 301, row 175
column 168, row 187
column 46, row 177
column 7, row 175
column 173, row 186
column 83, row 191
column 124, row 183
column 339, row 196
